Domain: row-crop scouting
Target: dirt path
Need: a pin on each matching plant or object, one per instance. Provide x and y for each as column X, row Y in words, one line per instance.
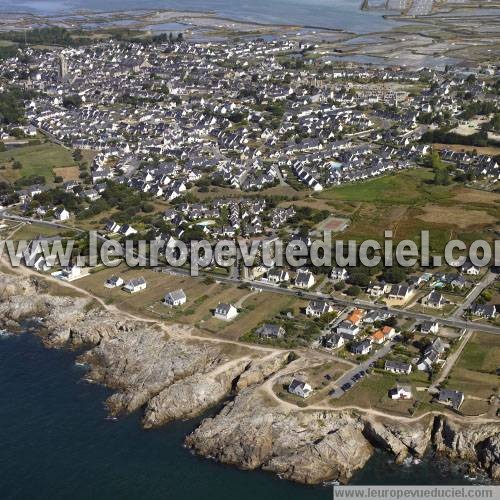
column 451, row 360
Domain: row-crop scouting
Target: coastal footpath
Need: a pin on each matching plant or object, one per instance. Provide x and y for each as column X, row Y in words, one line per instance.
column 168, row 373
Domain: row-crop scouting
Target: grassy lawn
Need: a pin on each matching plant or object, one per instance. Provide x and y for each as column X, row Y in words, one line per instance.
column 32, row 231
column 475, row 372
column 315, row 376
column 36, row 160
column 255, row 310
column 201, row 298
column 482, row 353
column 372, row 392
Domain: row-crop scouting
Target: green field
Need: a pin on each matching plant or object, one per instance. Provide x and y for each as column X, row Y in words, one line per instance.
column 409, row 202
column 475, row 373
column 482, row 353
column 406, row 188
column 35, row 160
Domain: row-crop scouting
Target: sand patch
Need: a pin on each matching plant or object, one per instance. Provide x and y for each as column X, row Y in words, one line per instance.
column 67, row 173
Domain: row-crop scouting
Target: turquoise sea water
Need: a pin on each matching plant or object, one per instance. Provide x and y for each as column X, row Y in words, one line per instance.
column 340, row 14
column 56, row 444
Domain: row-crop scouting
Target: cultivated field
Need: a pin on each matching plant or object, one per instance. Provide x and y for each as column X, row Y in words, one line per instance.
column 36, row 160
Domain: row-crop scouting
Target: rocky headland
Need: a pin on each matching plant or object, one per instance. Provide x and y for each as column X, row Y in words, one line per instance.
column 170, row 375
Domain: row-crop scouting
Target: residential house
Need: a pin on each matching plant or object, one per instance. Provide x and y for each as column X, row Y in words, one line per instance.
column 61, row 214
column 333, row 341
column 127, row 230
column 225, row 312
column 362, row 348
column 271, row 331
column 434, row 300
column 470, row 269
column 383, row 334
column 378, row 290
column 339, row 274
column 114, row 282
column 348, row 330
column 304, row 279
column 401, row 391
column 135, row 285
column 317, row 308
column 451, row 398
column 429, row 327
column 431, row 355
column 487, row 311
column 300, row 388
column 355, row 316
column 112, row 227
column 399, row 292
column 277, row 275
column 397, row 367
column 175, row 298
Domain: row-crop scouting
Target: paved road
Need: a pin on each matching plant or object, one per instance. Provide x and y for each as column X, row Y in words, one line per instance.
column 487, row 280
column 451, row 360
column 451, row 321
column 363, row 366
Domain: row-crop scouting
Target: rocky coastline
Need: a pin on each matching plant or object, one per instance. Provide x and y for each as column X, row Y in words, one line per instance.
column 170, row 376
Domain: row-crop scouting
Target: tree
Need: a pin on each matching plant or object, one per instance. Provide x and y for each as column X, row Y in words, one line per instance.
column 354, row 291
column 442, row 177
column 339, row 286
column 72, row 101
column 77, row 155
column 395, row 274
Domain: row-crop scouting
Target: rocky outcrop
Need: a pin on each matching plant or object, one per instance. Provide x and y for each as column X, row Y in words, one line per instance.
column 22, row 298
column 475, row 443
column 304, row 446
column 261, row 369
column 142, row 363
column 11, row 285
column 337, row 455
column 175, row 378
column 399, row 439
column 193, row 395
column 489, row 456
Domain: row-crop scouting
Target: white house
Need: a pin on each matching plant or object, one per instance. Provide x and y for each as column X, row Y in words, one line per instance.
column 299, row 388
column 277, row 275
column 470, row 269
column 127, row 230
column 304, row 279
column 402, row 391
column 135, row 285
column 61, row 214
column 339, row 274
column 70, row 273
column 429, row 327
column 397, row 367
column 333, row 341
column 225, row 312
column 317, row 308
column 348, row 330
column 175, row 298
column 114, row 282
